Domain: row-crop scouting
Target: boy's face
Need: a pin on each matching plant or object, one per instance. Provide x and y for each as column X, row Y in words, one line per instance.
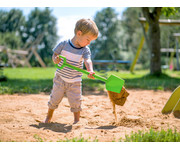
column 85, row 39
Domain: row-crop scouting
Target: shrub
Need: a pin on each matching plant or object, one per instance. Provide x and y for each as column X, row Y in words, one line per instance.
column 154, row 136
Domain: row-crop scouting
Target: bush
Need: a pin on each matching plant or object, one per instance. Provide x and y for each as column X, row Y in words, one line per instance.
column 154, row 136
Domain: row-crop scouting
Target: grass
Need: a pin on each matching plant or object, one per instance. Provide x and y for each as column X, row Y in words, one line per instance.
column 168, row 135
column 27, row 80
column 36, row 80
column 75, row 139
column 154, row 136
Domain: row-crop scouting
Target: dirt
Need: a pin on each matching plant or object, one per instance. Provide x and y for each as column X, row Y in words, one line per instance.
column 19, row 114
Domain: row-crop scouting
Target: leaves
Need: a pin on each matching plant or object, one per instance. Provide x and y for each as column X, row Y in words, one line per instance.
column 169, row 11
column 11, row 21
column 108, row 41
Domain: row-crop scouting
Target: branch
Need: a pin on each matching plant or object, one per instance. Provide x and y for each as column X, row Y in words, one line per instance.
column 156, row 13
column 146, row 13
column 152, row 17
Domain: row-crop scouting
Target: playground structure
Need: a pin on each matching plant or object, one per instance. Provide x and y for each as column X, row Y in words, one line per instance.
column 177, row 35
column 22, row 57
column 110, row 62
column 144, row 37
column 173, row 104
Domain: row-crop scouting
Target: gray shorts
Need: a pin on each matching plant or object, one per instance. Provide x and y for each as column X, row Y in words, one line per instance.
column 72, row 90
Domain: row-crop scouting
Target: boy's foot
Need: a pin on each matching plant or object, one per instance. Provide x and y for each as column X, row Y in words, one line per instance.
column 49, row 116
column 47, row 120
column 75, row 122
column 76, row 125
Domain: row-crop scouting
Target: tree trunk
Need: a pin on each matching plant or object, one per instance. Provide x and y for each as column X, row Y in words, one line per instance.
column 154, row 39
column 155, row 62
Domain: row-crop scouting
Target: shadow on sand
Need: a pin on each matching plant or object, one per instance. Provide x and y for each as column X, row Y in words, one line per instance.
column 103, row 127
column 56, row 127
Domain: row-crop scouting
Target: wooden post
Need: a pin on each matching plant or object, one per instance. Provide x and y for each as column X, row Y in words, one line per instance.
column 176, row 35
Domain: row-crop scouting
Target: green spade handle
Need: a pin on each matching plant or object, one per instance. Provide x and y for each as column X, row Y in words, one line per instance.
column 78, row 69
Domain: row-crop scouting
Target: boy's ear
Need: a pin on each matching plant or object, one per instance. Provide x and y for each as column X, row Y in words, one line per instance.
column 79, row 33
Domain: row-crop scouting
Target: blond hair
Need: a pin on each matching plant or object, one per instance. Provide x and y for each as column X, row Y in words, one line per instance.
column 86, row 26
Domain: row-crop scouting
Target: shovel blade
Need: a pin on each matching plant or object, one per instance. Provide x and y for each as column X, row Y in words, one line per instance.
column 114, row 84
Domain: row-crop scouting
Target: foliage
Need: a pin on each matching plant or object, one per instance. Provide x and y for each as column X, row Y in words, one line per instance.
column 154, row 136
column 17, row 32
column 41, row 22
column 119, row 38
column 11, row 40
column 132, row 34
column 107, row 44
column 130, row 25
column 169, row 11
column 10, row 25
column 11, row 21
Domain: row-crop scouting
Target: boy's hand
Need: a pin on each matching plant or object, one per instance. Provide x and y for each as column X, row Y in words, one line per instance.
column 56, row 59
column 91, row 75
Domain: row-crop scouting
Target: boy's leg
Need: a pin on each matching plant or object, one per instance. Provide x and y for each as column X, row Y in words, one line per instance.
column 76, row 117
column 49, row 116
column 55, row 97
column 74, row 97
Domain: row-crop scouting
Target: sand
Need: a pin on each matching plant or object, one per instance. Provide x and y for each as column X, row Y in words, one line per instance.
column 142, row 110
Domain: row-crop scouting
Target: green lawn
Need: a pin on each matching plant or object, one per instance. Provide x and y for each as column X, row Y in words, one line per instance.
column 36, row 80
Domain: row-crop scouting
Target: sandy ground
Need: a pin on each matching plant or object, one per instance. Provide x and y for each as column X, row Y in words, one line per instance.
column 142, row 110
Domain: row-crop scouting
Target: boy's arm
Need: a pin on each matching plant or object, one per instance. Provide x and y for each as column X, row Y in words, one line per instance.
column 89, row 66
column 56, row 58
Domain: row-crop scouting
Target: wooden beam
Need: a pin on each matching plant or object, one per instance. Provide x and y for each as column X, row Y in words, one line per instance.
column 2, row 48
column 169, row 50
column 19, row 52
column 176, row 34
column 163, row 21
column 38, row 57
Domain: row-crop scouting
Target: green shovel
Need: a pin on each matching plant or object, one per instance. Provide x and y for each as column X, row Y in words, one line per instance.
column 113, row 83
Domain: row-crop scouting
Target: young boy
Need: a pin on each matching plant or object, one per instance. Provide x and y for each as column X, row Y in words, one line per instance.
column 68, row 80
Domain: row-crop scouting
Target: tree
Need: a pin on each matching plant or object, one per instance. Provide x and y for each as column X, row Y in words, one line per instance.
column 11, row 40
column 152, row 17
column 154, row 38
column 131, row 34
column 130, row 26
column 108, row 41
column 10, row 25
column 41, row 22
column 11, row 21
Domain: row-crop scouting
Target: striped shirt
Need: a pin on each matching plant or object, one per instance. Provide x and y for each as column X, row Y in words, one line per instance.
column 74, row 56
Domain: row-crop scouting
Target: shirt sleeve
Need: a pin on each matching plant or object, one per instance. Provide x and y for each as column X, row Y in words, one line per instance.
column 59, row 47
column 87, row 54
